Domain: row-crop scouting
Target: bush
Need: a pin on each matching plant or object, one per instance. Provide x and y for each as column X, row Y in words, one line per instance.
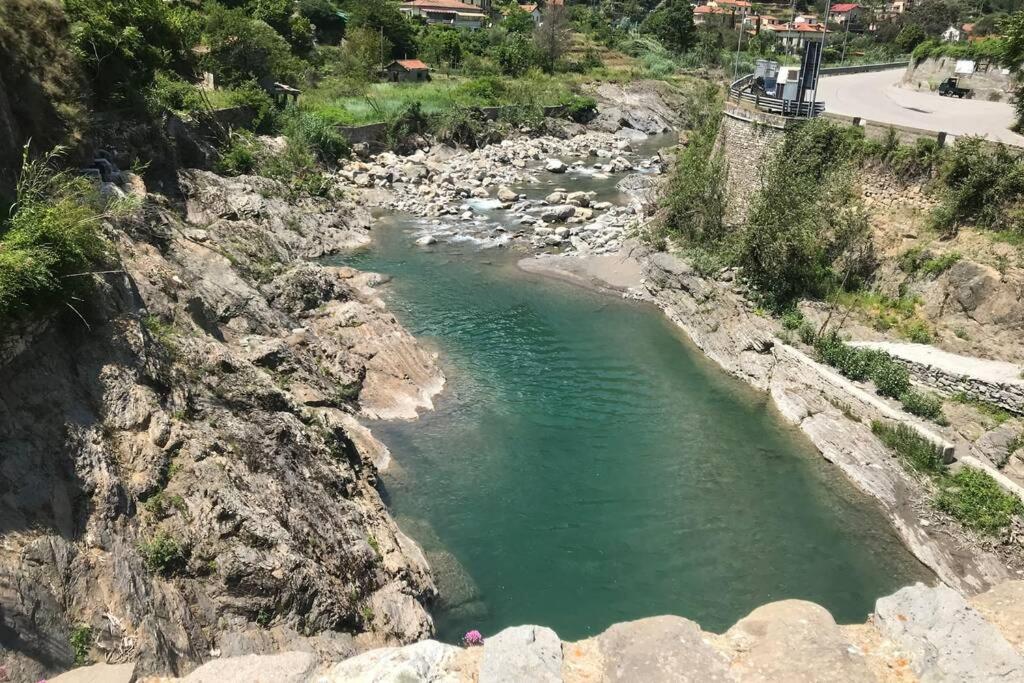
column 515, row 55
column 926, row 405
column 51, row 241
column 319, row 134
column 808, row 335
column 917, row 331
column 81, row 642
column 170, row 93
column 891, row 379
column 580, row 108
column 983, row 186
column 977, row 501
column 244, row 49
column 790, row 249
column 792, row 319
column 240, row 156
column 162, row 554
column 914, row 450
column 255, row 98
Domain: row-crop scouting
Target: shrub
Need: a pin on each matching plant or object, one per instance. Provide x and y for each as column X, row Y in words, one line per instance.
column 515, row 55
column 917, row 331
column 170, row 93
column 81, row 642
column 891, row 379
column 983, row 186
column 793, row 248
column 580, row 108
column 792, row 319
column 977, row 501
column 240, row 156
column 319, row 134
column 914, row 450
column 244, row 49
column 255, row 98
column 807, row 333
column 927, row 405
column 162, row 554
column 51, row 241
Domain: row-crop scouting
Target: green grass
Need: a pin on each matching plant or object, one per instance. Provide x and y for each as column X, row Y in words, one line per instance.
column 917, row 452
column 977, row 501
column 989, row 410
column 382, row 101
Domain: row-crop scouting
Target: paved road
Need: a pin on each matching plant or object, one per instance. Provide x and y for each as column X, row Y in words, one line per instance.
column 876, row 97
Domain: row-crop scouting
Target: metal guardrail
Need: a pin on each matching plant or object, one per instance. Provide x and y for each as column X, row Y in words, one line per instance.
column 739, row 91
column 861, row 68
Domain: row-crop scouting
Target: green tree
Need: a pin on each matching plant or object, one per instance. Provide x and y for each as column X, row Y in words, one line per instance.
column 1012, row 57
column 440, row 44
column 122, row 43
column 551, row 37
column 515, row 55
column 517, row 21
column 326, row 17
column 243, row 49
column 383, row 16
column 672, row 24
column 361, row 54
column 909, row 37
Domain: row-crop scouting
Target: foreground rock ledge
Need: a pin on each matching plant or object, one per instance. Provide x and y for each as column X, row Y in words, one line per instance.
column 918, row 633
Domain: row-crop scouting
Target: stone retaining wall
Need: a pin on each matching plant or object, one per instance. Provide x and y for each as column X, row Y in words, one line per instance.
column 747, row 137
column 988, row 82
column 1007, row 396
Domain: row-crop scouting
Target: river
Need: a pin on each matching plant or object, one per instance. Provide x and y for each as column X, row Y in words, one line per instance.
column 586, row 465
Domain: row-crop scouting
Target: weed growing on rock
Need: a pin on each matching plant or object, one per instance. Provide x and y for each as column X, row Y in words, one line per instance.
column 986, row 408
column 917, row 452
column 976, row 500
column 81, row 642
column 923, row 404
column 162, row 554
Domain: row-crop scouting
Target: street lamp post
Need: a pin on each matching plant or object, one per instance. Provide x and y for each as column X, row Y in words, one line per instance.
column 821, row 58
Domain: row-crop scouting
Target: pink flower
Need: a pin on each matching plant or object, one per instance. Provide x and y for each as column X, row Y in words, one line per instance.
column 473, row 638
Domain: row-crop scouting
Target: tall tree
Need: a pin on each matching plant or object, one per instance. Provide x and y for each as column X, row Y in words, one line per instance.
column 551, row 37
column 672, row 24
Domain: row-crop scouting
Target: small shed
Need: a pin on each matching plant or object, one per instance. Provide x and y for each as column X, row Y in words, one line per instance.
column 404, row 70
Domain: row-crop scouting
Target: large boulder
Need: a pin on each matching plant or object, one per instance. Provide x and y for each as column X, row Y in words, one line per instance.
column 427, row 660
column 558, row 213
column 522, row 653
column 794, row 641
column 287, row 667
column 659, row 649
column 945, row 638
column 555, row 166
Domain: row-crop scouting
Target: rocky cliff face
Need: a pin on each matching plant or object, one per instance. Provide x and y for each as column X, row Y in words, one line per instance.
column 918, row 633
column 185, row 477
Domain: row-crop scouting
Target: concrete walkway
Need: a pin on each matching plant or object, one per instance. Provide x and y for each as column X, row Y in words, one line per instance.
column 876, row 96
column 992, row 371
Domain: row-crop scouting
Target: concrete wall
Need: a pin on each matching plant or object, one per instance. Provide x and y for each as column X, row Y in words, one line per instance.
column 988, row 82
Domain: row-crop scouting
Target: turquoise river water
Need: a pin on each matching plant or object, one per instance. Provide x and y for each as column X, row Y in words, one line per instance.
column 585, row 465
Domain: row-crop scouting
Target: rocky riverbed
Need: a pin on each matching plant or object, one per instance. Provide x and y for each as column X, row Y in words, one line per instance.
column 482, row 195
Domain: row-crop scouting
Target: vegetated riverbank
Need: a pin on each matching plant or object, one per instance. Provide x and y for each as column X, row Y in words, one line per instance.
column 716, row 315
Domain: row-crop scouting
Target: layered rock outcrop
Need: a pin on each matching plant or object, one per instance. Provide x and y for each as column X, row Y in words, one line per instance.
column 183, row 474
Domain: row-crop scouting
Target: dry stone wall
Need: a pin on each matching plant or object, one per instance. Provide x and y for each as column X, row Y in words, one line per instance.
column 748, row 138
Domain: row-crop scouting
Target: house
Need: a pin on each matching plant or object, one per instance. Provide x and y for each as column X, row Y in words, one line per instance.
column 449, row 12
column 900, row 6
column 708, row 15
column 741, row 8
column 952, row 35
column 805, row 19
column 762, row 20
column 406, row 70
column 533, row 10
column 793, row 37
column 844, row 12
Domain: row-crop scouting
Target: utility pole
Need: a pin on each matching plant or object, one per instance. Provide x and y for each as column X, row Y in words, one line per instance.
column 846, row 35
column 821, row 58
column 739, row 45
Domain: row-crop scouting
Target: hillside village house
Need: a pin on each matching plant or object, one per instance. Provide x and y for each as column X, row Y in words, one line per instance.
column 406, row 70
column 741, row 8
column 533, row 11
column 844, row 12
column 450, row 12
column 708, row 15
column 793, row 37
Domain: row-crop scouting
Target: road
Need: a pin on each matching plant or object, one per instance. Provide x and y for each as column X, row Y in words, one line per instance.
column 876, row 97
